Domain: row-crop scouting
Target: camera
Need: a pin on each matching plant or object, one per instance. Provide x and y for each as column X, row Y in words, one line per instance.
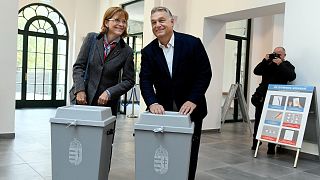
column 274, row 56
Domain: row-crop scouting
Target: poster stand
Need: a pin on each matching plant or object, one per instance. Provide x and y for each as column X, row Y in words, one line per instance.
column 235, row 92
column 285, row 115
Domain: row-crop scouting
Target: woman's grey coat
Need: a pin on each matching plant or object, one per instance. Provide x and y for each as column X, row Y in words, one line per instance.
column 115, row 75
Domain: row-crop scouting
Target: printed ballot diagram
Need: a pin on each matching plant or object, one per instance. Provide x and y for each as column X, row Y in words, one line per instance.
column 292, row 120
column 288, row 136
column 285, row 113
column 296, row 103
column 274, row 118
column 277, row 102
column 270, row 133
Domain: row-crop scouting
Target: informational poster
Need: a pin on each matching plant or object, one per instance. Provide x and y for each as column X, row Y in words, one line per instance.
column 284, row 115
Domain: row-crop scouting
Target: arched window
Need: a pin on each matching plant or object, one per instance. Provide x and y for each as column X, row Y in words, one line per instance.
column 42, row 53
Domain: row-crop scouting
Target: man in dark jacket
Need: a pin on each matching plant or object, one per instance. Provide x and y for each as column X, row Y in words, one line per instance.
column 175, row 74
column 274, row 69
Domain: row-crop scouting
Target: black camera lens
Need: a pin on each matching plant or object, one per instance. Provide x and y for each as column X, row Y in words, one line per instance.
column 274, row 56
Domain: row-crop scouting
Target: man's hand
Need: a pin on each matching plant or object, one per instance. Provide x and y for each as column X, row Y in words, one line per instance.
column 267, row 56
column 103, row 98
column 156, row 108
column 278, row 61
column 187, row 108
column 81, row 97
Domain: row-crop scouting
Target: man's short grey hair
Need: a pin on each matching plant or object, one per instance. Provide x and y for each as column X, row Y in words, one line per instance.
column 161, row 9
column 282, row 48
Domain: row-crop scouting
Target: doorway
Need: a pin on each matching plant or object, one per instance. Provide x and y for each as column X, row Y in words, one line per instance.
column 237, row 45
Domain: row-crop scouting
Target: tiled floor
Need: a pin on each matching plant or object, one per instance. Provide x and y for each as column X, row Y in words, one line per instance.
column 225, row 155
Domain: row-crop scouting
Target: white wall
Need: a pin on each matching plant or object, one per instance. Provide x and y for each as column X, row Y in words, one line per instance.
column 267, row 33
column 302, row 46
column 278, row 24
column 214, row 41
column 8, row 51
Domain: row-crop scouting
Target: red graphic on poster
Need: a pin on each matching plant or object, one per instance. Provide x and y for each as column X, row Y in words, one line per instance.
column 269, row 138
column 284, row 141
column 291, row 125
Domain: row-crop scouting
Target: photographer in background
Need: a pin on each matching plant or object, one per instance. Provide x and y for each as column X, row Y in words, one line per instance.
column 274, row 69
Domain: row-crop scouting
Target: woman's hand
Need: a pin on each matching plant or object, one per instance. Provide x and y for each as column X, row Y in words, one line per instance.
column 81, row 97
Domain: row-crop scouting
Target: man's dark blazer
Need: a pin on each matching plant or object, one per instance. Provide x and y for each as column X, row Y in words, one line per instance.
column 191, row 75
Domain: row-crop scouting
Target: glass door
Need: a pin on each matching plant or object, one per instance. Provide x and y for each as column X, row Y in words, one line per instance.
column 234, row 70
column 42, row 51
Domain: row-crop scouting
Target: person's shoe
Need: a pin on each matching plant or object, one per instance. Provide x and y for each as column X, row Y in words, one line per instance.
column 254, row 144
column 271, row 151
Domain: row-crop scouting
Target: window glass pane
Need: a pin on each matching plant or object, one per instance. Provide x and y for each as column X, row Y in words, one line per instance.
column 39, row 76
column 29, row 13
column 43, row 11
column 40, row 61
column 31, row 76
column 34, row 26
column 61, row 29
column 18, row 91
column 62, row 47
column 61, row 62
column 243, row 62
column 60, row 92
column 21, row 23
column 31, row 60
column 60, row 76
column 19, row 59
column 40, row 44
column 39, row 92
column 49, row 45
column 41, row 23
column 48, row 77
column 50, row 30
column 47, row 92
column 136, row 11
column 30, row 91
column 32, row 44
column 138, row 62
column 54, row 17
column 19, row 75
column 46, row 26
column 48, row 61
column 138, row 43
column 19, row 42
column 131, row 42
column 41, row 30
